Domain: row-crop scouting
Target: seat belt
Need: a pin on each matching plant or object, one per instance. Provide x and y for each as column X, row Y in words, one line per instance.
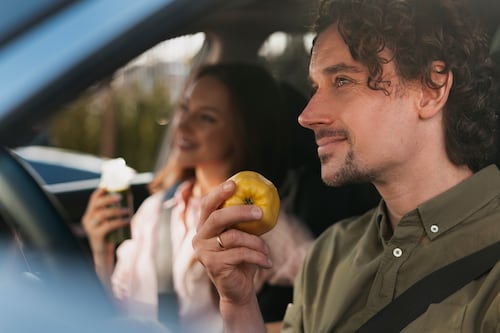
column 168, row 305
column 433, row 288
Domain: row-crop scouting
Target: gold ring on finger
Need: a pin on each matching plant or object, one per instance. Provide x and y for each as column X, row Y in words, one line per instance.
column 219, row 243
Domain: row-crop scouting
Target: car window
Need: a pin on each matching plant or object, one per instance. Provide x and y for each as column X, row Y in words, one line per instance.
column 132, row 108
column 129, row 110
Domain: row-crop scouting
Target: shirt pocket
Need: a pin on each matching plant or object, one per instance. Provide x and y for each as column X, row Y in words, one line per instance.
column 292, row 322
column 439, row 318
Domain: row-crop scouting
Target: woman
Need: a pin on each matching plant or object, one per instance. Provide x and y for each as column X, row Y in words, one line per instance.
column 227, row 120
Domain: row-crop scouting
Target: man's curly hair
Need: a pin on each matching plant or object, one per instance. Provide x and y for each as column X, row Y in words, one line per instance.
column 418, row 32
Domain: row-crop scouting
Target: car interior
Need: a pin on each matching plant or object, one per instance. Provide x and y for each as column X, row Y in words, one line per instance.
column 42, row 218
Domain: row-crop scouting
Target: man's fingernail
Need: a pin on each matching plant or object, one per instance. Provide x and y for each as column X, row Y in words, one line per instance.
column 256, row 212
column 227, row 186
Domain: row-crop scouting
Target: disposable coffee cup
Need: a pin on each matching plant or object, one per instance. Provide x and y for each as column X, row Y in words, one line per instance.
column 115, row 179
column 119, row 235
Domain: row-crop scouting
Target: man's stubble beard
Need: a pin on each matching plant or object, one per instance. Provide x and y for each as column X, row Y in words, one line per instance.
column 349, row 172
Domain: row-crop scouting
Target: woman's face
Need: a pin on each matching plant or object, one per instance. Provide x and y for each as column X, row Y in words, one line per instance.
column 203, row 125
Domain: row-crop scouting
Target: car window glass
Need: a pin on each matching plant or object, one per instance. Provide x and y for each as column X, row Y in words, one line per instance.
column 129, row 110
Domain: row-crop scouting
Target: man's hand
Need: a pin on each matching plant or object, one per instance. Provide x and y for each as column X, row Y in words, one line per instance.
column 231, row 258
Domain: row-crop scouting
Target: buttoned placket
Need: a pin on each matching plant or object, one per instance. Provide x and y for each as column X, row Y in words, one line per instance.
column 396, row 251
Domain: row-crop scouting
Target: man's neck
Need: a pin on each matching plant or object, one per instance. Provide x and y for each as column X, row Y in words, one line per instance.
column 404, row 194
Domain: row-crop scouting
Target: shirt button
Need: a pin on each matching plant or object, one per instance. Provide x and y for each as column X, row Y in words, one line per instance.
column 434, row 228
column 397, row 252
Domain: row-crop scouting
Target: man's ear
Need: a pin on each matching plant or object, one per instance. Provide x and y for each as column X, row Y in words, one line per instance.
column 432, row 100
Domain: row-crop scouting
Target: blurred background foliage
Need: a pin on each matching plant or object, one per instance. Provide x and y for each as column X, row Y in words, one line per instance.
column 112, row 120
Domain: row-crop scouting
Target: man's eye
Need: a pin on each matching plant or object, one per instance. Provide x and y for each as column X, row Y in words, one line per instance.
column 341, row 81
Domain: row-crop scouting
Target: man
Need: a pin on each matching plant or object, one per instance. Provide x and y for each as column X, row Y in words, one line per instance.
column 405, row 97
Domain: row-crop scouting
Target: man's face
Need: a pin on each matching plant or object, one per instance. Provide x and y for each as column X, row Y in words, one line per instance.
column 362, row 134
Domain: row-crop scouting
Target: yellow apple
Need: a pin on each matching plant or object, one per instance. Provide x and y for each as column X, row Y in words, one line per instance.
column 254, row 189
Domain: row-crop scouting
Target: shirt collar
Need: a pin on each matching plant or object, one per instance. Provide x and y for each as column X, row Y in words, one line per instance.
column 181, row 195
column 461, row 201
column 382, row 222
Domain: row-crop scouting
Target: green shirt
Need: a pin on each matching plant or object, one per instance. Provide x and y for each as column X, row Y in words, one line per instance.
column 355, row 267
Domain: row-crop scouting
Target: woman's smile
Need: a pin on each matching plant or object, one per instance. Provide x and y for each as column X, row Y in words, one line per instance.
column 186, row 144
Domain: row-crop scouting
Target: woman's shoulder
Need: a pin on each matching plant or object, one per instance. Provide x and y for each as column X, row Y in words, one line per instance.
column 154, row 199
column 161, row 197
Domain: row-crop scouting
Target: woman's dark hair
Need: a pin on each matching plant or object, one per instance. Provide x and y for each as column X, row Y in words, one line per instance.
column 418, row 32
column 257, row 105
column 256, row 97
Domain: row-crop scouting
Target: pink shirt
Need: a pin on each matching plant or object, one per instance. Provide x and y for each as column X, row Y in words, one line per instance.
column 134, row 279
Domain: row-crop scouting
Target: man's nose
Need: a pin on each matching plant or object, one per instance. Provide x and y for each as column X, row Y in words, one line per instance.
column 315, row 113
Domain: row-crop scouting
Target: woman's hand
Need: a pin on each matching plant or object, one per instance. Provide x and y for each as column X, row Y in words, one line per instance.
column 99, row 219
column 231, row 258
